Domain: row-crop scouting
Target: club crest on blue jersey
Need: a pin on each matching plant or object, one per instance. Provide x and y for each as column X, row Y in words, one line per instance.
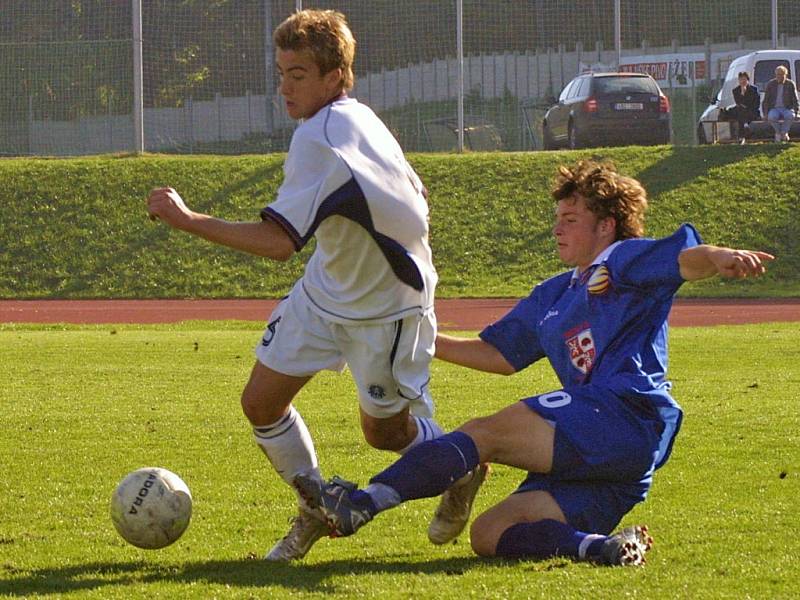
column 599, row 281
column 580, row 345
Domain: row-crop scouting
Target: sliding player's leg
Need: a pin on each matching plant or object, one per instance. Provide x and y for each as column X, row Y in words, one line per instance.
column 531, row 524
column 391, row 366
column 585, row 435
column 603, row 450
column 453, row 512
column 516, row 434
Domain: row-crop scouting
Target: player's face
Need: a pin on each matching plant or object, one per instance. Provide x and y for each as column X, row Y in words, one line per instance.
column 580, row 235
column 302, row 86
column 780, row 76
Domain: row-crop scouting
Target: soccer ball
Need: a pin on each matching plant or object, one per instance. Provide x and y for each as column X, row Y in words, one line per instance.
column 151, row 507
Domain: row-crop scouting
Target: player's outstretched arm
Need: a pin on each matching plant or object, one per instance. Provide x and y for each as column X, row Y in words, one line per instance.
column 473, row 353
column 706, row 261
column 265, row 238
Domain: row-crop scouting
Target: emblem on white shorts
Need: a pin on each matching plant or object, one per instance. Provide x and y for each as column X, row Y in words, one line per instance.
column 376, row 391
column 581, row 350
column 265, row 341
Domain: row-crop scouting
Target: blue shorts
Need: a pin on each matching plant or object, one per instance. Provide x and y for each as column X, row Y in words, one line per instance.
column 603, row 455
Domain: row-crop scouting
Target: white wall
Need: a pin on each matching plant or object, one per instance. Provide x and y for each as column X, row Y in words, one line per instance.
column 533, row 74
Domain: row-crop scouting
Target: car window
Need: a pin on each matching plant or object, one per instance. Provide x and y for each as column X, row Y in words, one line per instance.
column 625, row 85
column 765, row 70
column 565, row 92
column 576, row 88
column 796, row 70
column 585, row 84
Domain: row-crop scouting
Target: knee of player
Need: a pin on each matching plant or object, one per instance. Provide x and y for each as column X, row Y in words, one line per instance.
column 259, row 408
column 482, row 433
column 482, row 538
column 249, row 403
column 382, row 439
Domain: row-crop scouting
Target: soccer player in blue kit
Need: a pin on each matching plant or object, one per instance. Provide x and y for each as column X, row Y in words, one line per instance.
column 590, row 448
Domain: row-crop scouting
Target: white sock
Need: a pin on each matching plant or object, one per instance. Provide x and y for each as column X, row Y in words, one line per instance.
column 288, row 446
column 427, row 429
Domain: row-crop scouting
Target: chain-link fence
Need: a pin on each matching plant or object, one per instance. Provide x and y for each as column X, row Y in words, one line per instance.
column 68, row 68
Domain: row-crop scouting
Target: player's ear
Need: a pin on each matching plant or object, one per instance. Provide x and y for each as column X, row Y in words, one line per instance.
column 608, row 226
column 335, row 78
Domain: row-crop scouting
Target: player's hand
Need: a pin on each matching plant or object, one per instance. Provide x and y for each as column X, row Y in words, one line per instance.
column 740, row 264
column 167, row 205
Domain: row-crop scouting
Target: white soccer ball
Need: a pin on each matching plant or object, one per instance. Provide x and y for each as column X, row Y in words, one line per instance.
column 151, row 507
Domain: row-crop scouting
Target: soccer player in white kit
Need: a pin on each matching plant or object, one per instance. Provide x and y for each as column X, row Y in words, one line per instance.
column 366, row 296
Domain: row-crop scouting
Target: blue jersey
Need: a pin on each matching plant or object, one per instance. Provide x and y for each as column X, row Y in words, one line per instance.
column 606, row 326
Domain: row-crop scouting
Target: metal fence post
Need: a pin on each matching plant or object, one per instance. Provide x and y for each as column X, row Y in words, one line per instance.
column 30, row 123
column 618, row 31
column 269, row 77
column 138, row 80
column 460, row 71
column 774, row 24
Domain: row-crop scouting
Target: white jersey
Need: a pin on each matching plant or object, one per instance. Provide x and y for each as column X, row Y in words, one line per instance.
column 347, row 183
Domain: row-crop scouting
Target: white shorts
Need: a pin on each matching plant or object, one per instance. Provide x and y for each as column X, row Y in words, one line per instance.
column 390, row 362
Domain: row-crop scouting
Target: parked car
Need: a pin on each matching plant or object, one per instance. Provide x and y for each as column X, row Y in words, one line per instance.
column 603, row 109
column 761, row 67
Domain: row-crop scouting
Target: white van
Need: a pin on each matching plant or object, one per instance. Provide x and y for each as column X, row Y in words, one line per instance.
column 761, row 66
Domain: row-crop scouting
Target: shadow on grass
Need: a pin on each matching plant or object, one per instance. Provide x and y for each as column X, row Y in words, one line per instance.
column 689, row 163
column 137, row 241
column 242, row 573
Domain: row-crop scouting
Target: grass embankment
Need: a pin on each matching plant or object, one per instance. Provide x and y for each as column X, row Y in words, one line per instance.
column 77, row 228
column 86, row 405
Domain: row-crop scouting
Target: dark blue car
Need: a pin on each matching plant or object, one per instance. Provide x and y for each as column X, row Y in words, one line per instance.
column 606, row 109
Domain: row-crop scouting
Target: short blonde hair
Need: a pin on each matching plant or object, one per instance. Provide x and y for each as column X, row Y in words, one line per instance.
column 326, row 35
column 607, row 194
column 782, row 69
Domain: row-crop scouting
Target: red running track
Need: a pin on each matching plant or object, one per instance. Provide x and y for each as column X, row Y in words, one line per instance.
column 468, row 314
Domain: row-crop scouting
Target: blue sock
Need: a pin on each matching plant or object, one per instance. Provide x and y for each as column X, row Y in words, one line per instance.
column 548, row 538
column 364, row 500
column 428, row 469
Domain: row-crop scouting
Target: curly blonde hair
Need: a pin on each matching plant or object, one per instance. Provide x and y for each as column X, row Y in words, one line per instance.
column 324, row 33
column 607, row 194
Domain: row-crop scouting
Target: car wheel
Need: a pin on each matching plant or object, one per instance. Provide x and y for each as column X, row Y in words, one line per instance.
column 701, row 135
column 547, row 138
column 573, row 138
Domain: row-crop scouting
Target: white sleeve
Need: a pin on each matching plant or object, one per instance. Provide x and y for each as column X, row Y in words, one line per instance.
column 311, row 173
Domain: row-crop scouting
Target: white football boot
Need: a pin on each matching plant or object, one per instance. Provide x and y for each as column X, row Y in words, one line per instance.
column 627, row 547
column 454, row 508
column 307, row 527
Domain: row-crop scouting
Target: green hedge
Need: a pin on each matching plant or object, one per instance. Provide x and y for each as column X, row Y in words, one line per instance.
column 77, row 228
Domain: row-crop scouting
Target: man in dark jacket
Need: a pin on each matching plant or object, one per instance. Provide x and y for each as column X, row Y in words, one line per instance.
column 747, row 105
column 780, row 103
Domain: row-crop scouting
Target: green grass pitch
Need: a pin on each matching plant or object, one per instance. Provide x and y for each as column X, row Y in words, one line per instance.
column 82, row 406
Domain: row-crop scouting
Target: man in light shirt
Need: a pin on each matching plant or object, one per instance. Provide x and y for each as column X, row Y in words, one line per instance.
column 780, row 103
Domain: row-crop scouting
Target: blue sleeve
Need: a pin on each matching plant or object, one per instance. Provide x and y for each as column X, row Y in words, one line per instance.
column 516, row 334
column 653, row 264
